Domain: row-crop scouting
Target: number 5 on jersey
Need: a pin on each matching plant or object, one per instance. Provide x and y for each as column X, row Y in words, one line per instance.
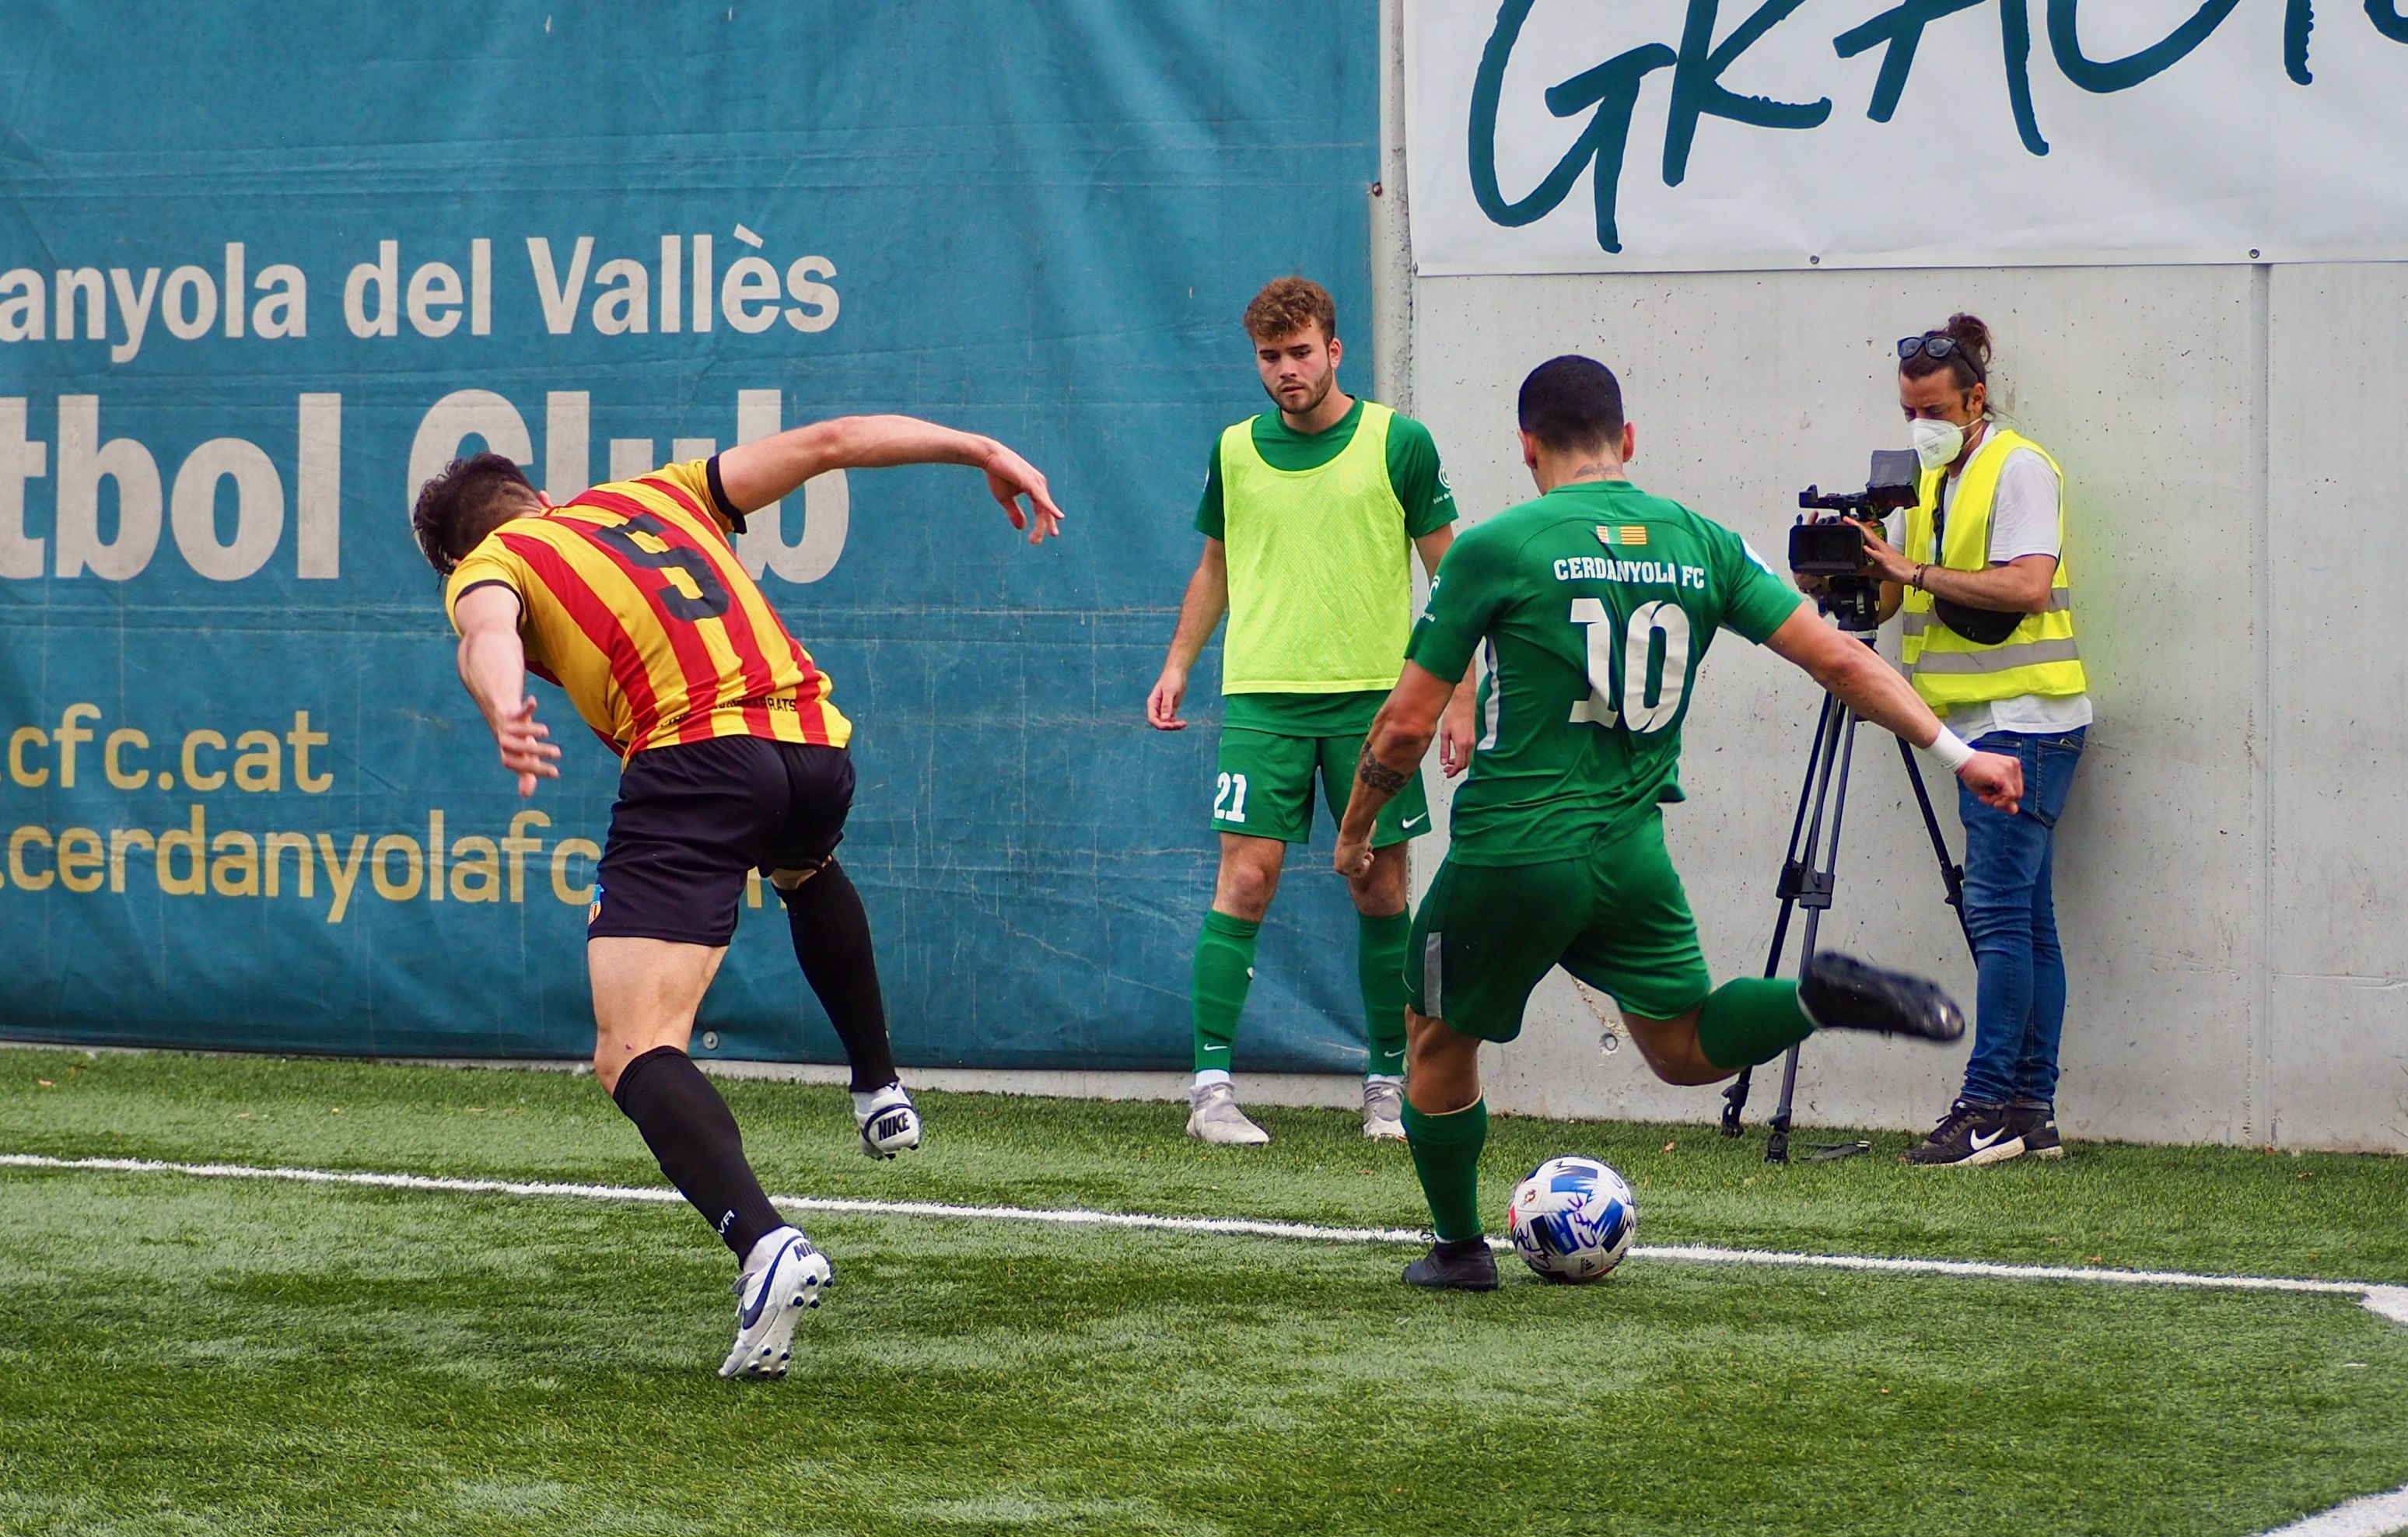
column 1630, row 652
column 709, row 599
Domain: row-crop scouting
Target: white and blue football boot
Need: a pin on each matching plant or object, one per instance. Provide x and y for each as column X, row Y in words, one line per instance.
column 889, row 1123
column 769, row 1299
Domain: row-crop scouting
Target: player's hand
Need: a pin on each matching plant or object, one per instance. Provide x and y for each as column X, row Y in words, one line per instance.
column 1996, row 780
column 1010, row 477
column 1456, row 735
column 1162, row 705
column 1353, row 857
column 1880, row 559
column 525, row 750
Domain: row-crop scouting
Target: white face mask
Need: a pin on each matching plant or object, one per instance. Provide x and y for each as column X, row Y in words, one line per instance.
column 1936, row 443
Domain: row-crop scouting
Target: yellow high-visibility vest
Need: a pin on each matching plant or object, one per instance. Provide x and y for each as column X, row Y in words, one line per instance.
column 2040, row 656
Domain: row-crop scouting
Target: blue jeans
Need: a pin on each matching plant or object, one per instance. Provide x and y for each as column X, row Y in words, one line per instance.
column 2019, row 1004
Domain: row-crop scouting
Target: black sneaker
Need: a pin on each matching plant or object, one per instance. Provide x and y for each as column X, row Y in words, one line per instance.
column 2037, row 1125
column 1842, row 993
column 1460, row 1264
column 1969, row 1134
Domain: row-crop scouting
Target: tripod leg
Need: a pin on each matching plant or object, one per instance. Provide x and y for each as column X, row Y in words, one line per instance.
column 1776, row 1133
column 1801, row 883
column 1791, row 885
column 1820, row 884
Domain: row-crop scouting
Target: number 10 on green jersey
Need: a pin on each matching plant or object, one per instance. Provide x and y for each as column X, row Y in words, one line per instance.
column 1595, row 605
column 1653, row 653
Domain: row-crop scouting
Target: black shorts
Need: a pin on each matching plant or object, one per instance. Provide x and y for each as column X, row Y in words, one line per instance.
column 691, row 819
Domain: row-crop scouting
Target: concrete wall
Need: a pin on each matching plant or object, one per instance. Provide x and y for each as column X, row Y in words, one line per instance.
column 2233, row 868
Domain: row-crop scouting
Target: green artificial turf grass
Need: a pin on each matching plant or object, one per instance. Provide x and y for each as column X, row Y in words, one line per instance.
column 184, row 1356
column 2221, row 1209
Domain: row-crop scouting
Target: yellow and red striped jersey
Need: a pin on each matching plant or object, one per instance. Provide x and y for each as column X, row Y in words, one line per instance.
column 632, row 599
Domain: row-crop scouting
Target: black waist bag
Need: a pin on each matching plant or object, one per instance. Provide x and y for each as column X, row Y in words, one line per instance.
column 1983, row 626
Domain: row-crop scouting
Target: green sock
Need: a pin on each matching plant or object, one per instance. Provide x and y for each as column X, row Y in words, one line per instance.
column 1447, row 1156
column 1380, row 964
column 1225, row 964
column 1751, row 1020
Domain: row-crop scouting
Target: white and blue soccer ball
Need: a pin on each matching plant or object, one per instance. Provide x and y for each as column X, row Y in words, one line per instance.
column 1573, row 1219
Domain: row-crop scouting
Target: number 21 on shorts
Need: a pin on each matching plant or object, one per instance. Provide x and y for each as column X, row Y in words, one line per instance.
column 1229, row 799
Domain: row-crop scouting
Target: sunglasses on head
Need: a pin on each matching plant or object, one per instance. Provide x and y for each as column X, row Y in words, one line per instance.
column 1939, row 346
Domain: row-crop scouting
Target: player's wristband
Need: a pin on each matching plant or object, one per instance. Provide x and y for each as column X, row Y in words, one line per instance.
column 1951, row 750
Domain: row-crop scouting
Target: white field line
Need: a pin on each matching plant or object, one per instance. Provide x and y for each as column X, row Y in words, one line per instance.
column 2368, row 1515
column 2390, row 1300
column 2371, row 1515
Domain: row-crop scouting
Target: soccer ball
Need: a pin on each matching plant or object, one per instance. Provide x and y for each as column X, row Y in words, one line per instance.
column 1573, row 1219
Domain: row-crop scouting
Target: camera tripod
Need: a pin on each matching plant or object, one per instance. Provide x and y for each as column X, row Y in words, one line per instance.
column 1807, row 876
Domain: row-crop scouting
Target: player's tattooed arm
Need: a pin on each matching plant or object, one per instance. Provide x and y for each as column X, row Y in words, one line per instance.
column 1378, row 776
column 1401, row 733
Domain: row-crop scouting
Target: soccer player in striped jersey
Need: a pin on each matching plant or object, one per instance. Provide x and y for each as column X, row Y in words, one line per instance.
column 1593, row 605
column 632, row 599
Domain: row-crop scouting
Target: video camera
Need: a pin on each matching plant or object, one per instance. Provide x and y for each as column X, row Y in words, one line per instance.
column 1830, row 541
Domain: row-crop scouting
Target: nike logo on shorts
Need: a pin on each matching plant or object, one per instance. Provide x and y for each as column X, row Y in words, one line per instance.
column 1408, row 822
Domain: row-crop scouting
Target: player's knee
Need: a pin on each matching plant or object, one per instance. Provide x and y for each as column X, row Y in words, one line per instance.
column 1670, row 1050
column 1244, row 891
column 788, row 881
column 1442, row 1066
column 1380, row 891
column 1690, row 1072
column 608, row 1062
column 1673, row 1053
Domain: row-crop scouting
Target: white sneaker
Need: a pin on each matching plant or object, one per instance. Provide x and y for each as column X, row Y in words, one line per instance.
column 768, row 1301
column 1214, row 1116
column 1383, row 1111
column 889, row 1124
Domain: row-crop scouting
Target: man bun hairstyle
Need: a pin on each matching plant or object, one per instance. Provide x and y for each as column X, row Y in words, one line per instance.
column 1572, row 405
column 1288, row 305
column 1968, row 365
column 468, row 501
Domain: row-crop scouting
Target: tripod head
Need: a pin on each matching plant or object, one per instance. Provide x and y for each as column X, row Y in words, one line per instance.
column 1828, row 541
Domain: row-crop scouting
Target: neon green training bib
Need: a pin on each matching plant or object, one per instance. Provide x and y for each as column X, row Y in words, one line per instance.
column 1320, row 584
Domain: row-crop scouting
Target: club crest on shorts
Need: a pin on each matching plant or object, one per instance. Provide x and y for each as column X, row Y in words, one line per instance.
column 594, row 913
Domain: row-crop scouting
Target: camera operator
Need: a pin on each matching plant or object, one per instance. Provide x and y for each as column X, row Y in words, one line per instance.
column 1989, row 645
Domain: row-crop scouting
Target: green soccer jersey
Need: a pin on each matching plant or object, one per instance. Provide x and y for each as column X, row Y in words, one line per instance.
column 1418, row 485
column 1414, row 470
column 1593, row 605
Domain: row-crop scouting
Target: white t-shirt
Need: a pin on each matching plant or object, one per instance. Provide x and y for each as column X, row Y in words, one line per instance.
column 2023, row 522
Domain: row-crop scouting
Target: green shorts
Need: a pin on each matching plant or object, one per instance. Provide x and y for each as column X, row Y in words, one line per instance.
column 1616, row 917
column 1264, row 787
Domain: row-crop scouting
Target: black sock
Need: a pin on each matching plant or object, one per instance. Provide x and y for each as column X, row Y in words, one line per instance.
column 831, row 932
column 688, row 1127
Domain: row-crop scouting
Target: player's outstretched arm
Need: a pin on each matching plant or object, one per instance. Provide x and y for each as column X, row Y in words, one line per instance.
column 1875, row 689
column 1392, row 752
column 492, row 665
column 1199, row 613
column 767, row 470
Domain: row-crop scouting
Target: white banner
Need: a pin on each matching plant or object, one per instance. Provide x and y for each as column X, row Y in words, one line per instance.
column 1603, row 136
